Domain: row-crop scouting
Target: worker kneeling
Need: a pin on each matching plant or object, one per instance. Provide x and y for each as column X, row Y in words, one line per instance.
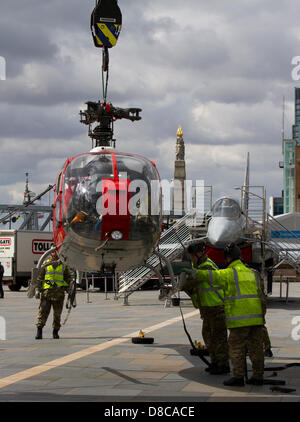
column 53, row 281
column 243, row 309
column 209, row 300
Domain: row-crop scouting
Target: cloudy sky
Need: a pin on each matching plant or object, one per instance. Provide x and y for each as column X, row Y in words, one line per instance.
column 218, row 68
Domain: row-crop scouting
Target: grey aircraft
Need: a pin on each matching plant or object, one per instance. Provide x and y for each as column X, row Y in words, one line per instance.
column 227, row 223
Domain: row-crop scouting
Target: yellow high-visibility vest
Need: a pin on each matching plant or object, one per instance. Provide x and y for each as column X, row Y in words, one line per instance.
column 241, row 293
column 207, row 294
column 54, row 277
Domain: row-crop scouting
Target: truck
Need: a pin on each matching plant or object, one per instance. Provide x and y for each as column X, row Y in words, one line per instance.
column 20, row 251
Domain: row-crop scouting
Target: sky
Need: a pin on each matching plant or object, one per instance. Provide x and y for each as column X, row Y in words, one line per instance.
column 219, row 69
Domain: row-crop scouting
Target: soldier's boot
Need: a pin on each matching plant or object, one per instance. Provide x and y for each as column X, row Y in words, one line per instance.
column 255, row 381
column 55, row 334
column 39, row 333
column 205, row 352
column 211, row 367
column 219, row 370
column 234, row 382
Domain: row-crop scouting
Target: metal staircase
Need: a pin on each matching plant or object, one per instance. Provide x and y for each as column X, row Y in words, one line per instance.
column 288, row 250
column 192, row 225
column 169, row 248
column 261, row 225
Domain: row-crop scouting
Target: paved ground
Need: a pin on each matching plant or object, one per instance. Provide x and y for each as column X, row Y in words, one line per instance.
column 95, row 359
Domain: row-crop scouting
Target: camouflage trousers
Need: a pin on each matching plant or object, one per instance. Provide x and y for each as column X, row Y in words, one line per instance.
column 244, row 339
column 266, row 338
column 51, row 298
column 214, row 333
column 265, row 334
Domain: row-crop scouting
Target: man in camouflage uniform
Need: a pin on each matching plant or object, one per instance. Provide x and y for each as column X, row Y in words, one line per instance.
column 54, row 279
column 209, row 300
column 244, row 315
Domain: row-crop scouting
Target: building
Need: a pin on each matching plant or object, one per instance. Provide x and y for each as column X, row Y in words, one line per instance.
column 289, row 175
column 276, row 206
column 291, row 164
column 179, row 193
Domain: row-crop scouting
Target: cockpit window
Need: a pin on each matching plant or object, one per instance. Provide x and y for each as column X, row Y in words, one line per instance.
column 94, row 183
column 134, row 167
column 81, row 191
column 87, row 165
column 226, row 207
column 145, row 220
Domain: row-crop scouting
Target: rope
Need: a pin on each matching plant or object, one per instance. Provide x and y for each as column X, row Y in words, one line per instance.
column 161, row 269
column 198, row 352
column 71, row 300
column 104, row 89
column 281, row 368
column 102, row 245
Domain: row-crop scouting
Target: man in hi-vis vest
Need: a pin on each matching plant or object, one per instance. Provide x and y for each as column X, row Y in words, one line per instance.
column 210, row 301
column 243, row 310
column 54, row 279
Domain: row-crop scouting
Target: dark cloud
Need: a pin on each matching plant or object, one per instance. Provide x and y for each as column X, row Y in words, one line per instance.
column 217, row 68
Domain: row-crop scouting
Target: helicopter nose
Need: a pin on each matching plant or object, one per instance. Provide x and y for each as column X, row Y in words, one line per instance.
column 222, row 231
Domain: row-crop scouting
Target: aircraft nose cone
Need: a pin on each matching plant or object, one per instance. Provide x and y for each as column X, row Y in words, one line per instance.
column 222, row 231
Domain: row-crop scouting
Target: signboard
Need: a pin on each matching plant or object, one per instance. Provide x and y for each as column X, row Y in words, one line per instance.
column 7, row 264
column 283, row 234
column 7, row 246
column 40, row 246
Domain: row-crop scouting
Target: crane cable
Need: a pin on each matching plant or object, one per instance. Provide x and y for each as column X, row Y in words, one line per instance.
column 105, row 62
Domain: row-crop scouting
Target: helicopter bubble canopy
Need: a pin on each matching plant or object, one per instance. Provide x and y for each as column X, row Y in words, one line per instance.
column 111, row 196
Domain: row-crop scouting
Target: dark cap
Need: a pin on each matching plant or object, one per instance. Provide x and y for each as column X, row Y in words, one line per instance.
column 196, row 247
column 232, row 251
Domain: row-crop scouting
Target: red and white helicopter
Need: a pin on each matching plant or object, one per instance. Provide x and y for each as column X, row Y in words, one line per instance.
column 103, row 220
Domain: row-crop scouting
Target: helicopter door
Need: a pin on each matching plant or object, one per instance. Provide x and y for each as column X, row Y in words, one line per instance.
column 114, row 207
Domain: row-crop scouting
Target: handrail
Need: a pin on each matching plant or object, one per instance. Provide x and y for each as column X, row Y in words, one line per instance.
column 170, row 245
column 285, row 229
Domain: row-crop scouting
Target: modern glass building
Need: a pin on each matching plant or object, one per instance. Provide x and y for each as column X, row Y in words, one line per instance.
column 296, row 130
column 276, row 206
column 289, row 175
column 289, row 168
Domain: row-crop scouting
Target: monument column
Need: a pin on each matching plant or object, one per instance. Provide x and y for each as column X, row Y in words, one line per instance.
column 179, row 194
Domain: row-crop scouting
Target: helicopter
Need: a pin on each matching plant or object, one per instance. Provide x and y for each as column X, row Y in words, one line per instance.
column 103, row 218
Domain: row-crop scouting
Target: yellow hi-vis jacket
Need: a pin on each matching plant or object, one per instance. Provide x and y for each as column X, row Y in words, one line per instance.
column 207, row 294
column 54, row 277
column 242, row 298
